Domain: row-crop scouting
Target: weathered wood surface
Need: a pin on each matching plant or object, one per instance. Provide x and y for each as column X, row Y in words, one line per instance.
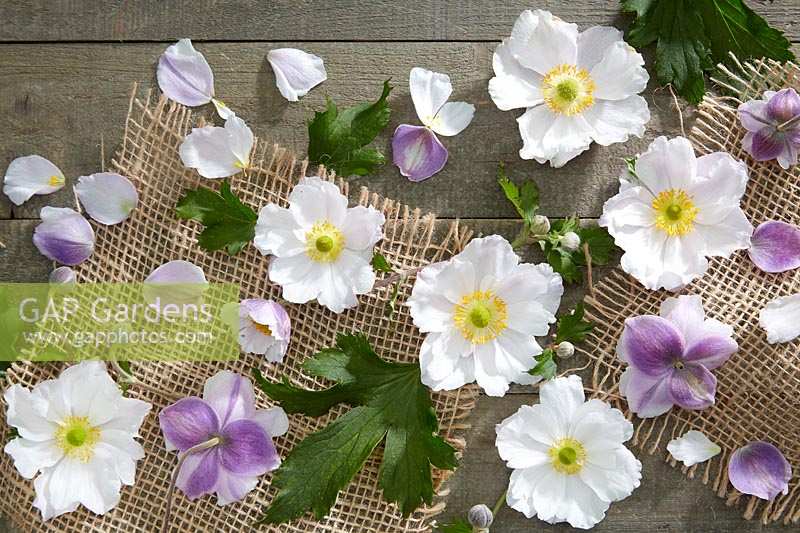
column 61, row 98
column 311, row 20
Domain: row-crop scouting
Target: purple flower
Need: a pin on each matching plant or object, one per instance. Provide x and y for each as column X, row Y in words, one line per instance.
column 773, row 127
column 245, row 449
column 64, row 236
column 670, row 357
column 760, row 469
column 775, row 246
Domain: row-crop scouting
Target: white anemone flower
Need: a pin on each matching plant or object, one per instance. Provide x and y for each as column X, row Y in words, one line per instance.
column 568, row 458
column 322, row 249
column 264, row 328
column 693, row 447
column 77, row 433
column 577, row 87
column 676, row 211
column 218, row 152
column 481, row 311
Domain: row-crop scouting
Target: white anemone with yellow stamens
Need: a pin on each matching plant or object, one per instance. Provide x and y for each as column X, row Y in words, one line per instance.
column 676, row 211
column 577, row 87
column 322, row 249
column 481, row 311
column 76, row 437
column 568, row 458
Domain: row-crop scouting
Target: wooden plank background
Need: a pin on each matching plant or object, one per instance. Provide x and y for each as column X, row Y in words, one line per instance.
column 66, row 70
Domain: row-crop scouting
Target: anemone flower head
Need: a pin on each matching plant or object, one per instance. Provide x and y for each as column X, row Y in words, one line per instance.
column 264, row 328
column 568, row 458
column 675, row 210
column 321, row 248
column 577, row 87
column 670, row 357
column 481, row 311
column 773, row 127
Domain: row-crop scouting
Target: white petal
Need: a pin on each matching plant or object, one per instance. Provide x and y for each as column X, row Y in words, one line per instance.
column 30, row 456
column 550, row 137
column 563, row 396
column 29, row 175
column 208, row 150
column 521, row 488
column 453, row 118
column 430, row 310
column 296, row 71
column 626, row 213
column 240, row 139
column 583, row 508
column 620, row 73
column 593, row 44
column 521, row 32
column 223, row 110
column 44, row 500
column 513, row 86
column 443, row 368
column 726, row 236
column 273, row 420
column 781, row 319
column 363, row 227
column 429, row 91
column 613, row 121
column 303, row 277
column 488, row 373
column 553, row 42
column 532, row 283
column 184, row 75
column 667, row 164
column 692, row 448
column 276, row 232
column 719, row 188
column 314, row 200
column 492, row 259
column 107, row 197
column 25, row 411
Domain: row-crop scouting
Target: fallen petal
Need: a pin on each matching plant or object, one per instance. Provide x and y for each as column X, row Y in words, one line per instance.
column 429, row 92
column 693, row 387
column 692, row 448
column 781, row 319
column 453, row 118
column 417, row 152
column 775, row 246
column 218, row 152
column 64, row 236
column 29, row 175
column 107, row 197
column 760, row 469
column 175, row 282
column 296, row 71
column 177, row 271
column 223, row 110
column 62, row 274
column 184, row 75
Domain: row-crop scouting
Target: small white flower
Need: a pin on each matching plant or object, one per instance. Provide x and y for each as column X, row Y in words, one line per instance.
column 218, row 152
column 568, row 458
column 677, row 211
column 577, row 87
column 481, row 311
column 322, row 249
column 264, row 329
column 77, row 433
column 29, row 175
column 296, row 71
column 107, row 197
column 692, row 448
column 780, row 318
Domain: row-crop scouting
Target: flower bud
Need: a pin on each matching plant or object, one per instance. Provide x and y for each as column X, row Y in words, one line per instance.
column 62, row 274
column 480, row 518
column 565, row 349
column 570, row 241
column 540, row 225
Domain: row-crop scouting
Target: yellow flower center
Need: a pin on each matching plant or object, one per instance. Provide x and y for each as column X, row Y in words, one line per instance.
column 568, row 90
column 675, row 212
column 324, row 242
column 263, row 328
column 567, row 456
column 77, row 438
column 55, row 181
column 481, row 316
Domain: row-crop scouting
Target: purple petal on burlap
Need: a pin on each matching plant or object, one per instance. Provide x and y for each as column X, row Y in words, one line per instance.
column 184, row 75
column 775, row 246
column 693, row 386
column 753, row 115
column 651, row 344
column 247, row 450
column 417, row 152
column 187, row 422
column 647, row 396
column 64, row 236
column 711, row 351
column 199, row 473
column 783, row 106
column 760, row 469
column 766, row 144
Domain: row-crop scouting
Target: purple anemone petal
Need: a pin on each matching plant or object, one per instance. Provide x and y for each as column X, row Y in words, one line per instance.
column 199, row 473
column 647, row 396
column 417, row 152
column 711, row 351
column 64, row 236
column 783, row 106
column 230, row 395
column 247, row 449
column 766, row 144
column 650, row 344
column 187, row 422
column 760, row 469
column 775, row 246
column 692, row 386
column 753, row 115
column 232, row 488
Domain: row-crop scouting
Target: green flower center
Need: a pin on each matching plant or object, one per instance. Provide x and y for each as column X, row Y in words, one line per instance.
column 675, row 212
column 567, row 456
column 567, row 90
column 324, row 244
column 77, row 438
column 480, row 316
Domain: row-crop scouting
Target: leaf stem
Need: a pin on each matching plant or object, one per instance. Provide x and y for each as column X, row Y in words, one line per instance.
column 397, row 276
column 133, row 380
column 210, row 443
column 587, row 254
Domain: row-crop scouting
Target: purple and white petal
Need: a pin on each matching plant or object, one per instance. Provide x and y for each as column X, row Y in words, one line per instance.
column 753, row 115
column 760, row 469
column 174, row 282
column 781, row 319
column 274, row 421
column 651, row 344
column 711, row 351
column 107, row 197
column 64, row 236
column 218, row 152
column 647, row 396
column 783, row 106
column 775, row 246
column 62, row 274
column 184, row 75
column 692, row 386
column 187, row 423
column 296, row 71
column 178, row 271
column 29, row 175
column 230, row 395
column 417, row 152
column 247, row 450
column 199, row 473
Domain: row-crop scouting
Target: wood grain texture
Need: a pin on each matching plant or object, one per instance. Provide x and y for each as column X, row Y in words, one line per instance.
column 346, row 20
column 59, row 100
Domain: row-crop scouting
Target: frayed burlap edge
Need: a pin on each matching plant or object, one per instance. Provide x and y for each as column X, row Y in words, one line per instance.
column 758, row 396
column 128, row 252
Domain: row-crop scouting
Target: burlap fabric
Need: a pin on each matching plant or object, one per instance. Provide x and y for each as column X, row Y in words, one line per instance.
column 152, row 236
column 758, row 391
